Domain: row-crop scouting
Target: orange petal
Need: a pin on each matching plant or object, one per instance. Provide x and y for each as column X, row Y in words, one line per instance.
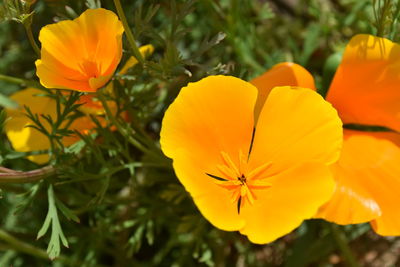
column 208, row 117
column 80, row 54
column 368, row 182
column 282, row 74
column 365, row 87
column 295, row 195
column 296, row 125
column 49, row 78
column 359, row 163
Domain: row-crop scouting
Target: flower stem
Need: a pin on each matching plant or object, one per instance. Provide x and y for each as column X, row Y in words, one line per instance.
column 19, row 81
column 343, row 246
column 129, row 34
column 120, row 128
column 32, row 41
column 21, row 246
column 19, row 177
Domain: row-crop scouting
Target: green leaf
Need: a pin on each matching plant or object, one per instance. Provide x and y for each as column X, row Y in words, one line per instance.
column 93, row 4
column 53, row 249
column 66, row 211
column 310, row 43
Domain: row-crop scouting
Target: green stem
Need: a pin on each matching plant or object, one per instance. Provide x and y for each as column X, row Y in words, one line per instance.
column 343, row 246
column 128, row 32
column 120, row 128
column 32, row 41
column 21, row 246
column 19, row 81
column 20, row 177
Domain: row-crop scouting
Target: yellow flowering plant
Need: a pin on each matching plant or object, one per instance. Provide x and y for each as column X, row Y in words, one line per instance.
column 143, row 133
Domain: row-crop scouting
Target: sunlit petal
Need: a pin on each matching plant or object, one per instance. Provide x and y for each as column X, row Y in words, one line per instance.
column 368, row 182
column 365, row 89
column 296, row 125
column 282, row 74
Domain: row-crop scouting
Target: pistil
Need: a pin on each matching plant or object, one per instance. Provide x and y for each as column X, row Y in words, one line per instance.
column 239, row 179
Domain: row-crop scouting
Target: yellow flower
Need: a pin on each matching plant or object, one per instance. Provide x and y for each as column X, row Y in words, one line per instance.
column 263, row 184
column 365, row 91
column 26, row 139
column 80, row 54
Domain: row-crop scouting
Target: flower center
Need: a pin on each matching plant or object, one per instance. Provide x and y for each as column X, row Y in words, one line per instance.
column 90, row 68
column 240, row 180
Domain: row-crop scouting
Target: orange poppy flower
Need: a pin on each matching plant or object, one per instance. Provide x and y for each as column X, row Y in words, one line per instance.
column 364, row 91
column 265, row 183
column 80, row 54
column 26, row 139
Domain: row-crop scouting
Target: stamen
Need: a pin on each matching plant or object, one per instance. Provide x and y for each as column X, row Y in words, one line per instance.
column 237, row 179
column 229, row 162
column 226, row 171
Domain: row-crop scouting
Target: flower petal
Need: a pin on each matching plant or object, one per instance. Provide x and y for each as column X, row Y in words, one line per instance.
column 296, row 125
column 213, row 201
column 361, row 162
column 145, row 51
column 52, row 79
column 282, row 74
column 365, row 87
column 208, row 117
column 368, row 178
column 24, row 138
column 295, row 195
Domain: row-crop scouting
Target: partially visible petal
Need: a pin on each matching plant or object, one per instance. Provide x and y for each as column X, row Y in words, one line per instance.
column 296, row 125
column 26, row 139
column 22, row 137
column 282, row 74
column 365, row 87
column 295, row 195
column 98, row 82
column 368, row 178
column 52, row 79
column 145, row 51
column 361, row 162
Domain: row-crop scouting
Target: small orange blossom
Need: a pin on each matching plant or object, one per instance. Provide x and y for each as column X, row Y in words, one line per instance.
column 80, row 54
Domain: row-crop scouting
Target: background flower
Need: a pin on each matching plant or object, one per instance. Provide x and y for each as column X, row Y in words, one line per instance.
column 26, row 139
column 80, row 54
column 365, row 92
